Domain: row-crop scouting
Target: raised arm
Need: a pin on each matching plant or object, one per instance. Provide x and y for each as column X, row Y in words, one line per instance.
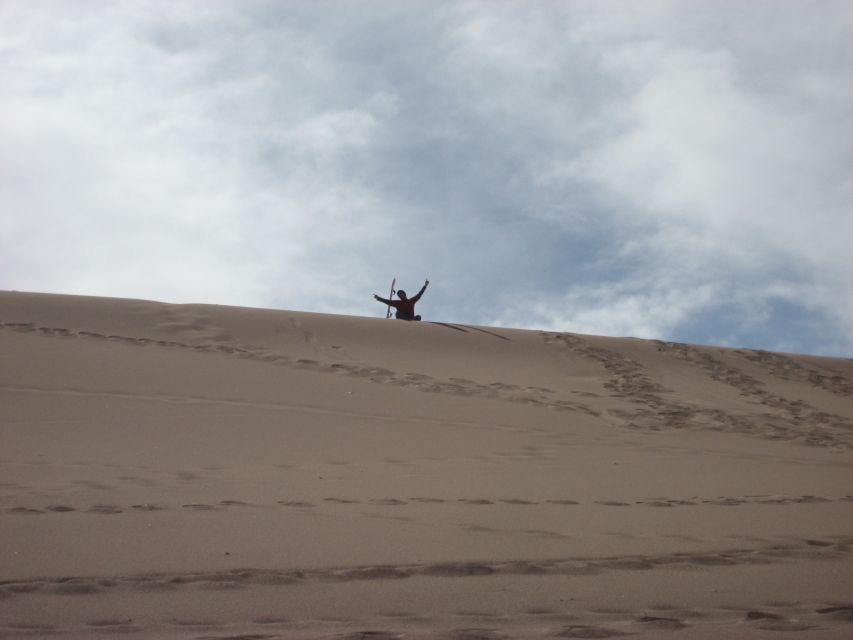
column 380, row 299
column 421, row 292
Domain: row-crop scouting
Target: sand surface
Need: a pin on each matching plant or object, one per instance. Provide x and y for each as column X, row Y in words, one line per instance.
column 198, row 471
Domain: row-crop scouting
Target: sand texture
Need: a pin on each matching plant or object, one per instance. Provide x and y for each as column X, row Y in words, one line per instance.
column 198, row 471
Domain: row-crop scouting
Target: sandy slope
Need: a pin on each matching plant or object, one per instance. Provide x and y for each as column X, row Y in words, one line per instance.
column 197, row 471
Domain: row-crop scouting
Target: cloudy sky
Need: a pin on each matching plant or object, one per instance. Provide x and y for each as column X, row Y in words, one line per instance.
column 678, row 170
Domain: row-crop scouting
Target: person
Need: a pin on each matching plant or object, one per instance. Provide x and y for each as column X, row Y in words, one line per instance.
column 405, row 306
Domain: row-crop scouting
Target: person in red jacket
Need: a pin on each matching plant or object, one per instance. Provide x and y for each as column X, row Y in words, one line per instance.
column 405, row 306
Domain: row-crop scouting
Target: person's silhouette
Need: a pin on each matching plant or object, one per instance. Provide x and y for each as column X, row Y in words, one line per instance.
column 405, row 306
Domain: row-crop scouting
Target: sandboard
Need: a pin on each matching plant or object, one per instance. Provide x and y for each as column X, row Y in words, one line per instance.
column 391, row 295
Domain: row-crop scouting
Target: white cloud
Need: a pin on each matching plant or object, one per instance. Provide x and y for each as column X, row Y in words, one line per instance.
column 620, row 310
column 738, row 186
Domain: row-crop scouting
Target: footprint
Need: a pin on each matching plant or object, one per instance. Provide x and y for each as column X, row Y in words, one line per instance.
column 391, row 502
column 726, row 502
column 538, row 611
column 417, row 377
column 664, row 502
column 775, row 622
column 114, row 625
column 586, row 631
column 839, row 612
column 199, row 507
column 629, row 564
column 458, row 569
column 476, row 634
column 525, row 568
column 60, row 508
column 371, row 573
column 478, row 501
column 761, row 615
column 366, row 635
column 20, row 326
column 295, row 503
column 107, row 509
column 817, row 543
column 711, row 560
column 477, row 528
column 91, row 334
column 661, row 623
column 147, row 507
column 343, row 368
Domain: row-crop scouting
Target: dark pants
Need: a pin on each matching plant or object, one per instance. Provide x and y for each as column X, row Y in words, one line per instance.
column 405, row 316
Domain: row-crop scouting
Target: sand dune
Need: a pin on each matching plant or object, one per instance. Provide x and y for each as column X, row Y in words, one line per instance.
column 198, row 471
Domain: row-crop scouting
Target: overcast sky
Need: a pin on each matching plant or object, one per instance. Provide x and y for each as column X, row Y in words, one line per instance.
column 677, row 170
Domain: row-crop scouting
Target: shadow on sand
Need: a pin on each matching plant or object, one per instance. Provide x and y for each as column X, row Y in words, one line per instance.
column 466, row 327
